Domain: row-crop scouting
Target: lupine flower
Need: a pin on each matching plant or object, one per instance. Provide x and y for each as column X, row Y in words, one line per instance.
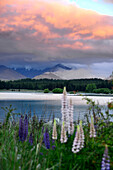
column 105, row 165
column 31, row 139
column 81, row 136
column 46, row 139
column 92, row 128
column 70, row 118
column 54, row 134
column 63, row 138
column 64, row 109
column 21, row 129
column 76, row 142
column 25, row 134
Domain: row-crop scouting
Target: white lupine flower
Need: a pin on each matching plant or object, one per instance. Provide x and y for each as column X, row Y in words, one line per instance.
column 70, row 118
column 92, row 128
column 64, row 109
column 63, row 138
column 81, row 135
column 78, row 142
column 54, row 134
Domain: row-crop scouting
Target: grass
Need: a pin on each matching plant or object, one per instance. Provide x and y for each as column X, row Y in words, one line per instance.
column 18, row 155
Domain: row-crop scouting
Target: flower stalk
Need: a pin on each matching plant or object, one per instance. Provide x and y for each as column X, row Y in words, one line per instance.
column 54, row 134
column 92, row 128
column 63, row 138
column 70, row 118
column 105, row 165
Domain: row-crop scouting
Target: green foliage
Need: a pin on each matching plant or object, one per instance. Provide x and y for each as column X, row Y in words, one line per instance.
column 102, row 90
column 46, row 90
column 57, row 90
column 90, row 88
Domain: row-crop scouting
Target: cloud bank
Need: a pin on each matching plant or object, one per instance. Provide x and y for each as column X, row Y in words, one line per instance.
column 46, row 30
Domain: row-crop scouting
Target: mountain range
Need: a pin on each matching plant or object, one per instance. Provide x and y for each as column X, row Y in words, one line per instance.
column 58, row 72
column 31, row 73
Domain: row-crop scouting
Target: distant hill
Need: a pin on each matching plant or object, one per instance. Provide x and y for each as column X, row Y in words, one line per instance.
column 48, row 75
column 68, row 74
column 9, row 74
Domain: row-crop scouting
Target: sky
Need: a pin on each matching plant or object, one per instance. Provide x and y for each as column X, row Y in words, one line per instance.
column 41, row 33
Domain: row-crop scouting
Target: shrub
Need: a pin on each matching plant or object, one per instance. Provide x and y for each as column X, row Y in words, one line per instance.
column 46, row 90
column 57, row 90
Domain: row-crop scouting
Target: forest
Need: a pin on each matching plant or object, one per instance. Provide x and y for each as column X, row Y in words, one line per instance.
column 71, row 85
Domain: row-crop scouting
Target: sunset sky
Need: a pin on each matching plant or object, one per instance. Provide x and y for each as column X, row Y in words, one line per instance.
column 40, row 33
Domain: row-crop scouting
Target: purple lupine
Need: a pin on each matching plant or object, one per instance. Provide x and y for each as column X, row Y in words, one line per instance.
column 25, row 133
column 31, row 139
column 21, row 129
column 105, row 165
column 46, row 139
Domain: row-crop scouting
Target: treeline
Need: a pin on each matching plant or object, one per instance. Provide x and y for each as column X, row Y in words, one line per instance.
column 71, row 85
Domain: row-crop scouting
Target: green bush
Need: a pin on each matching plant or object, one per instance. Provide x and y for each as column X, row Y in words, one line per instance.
column 57, row 90
column 102, row 90
column 46, row 90
column 90, row 88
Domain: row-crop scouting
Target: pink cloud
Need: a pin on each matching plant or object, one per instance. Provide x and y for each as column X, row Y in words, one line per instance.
column 52, row 23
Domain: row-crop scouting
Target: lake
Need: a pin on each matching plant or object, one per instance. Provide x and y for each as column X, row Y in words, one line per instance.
column 47, row 107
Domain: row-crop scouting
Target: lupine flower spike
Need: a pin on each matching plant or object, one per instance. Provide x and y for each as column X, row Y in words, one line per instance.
column 46, row 139
column 54, row 134
column 92, row 128
column 105, row 160
column 64, row 109
column 70, row 118
column 81, row 136
column 76, row 142
column 63, row 138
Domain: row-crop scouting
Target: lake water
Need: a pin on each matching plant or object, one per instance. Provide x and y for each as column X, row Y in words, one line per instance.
column 41, row 107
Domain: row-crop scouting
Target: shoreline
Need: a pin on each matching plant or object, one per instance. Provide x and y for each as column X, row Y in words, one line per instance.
column 7, row 96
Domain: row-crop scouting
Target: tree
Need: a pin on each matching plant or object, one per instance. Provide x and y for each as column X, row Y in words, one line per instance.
column 90, row 88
